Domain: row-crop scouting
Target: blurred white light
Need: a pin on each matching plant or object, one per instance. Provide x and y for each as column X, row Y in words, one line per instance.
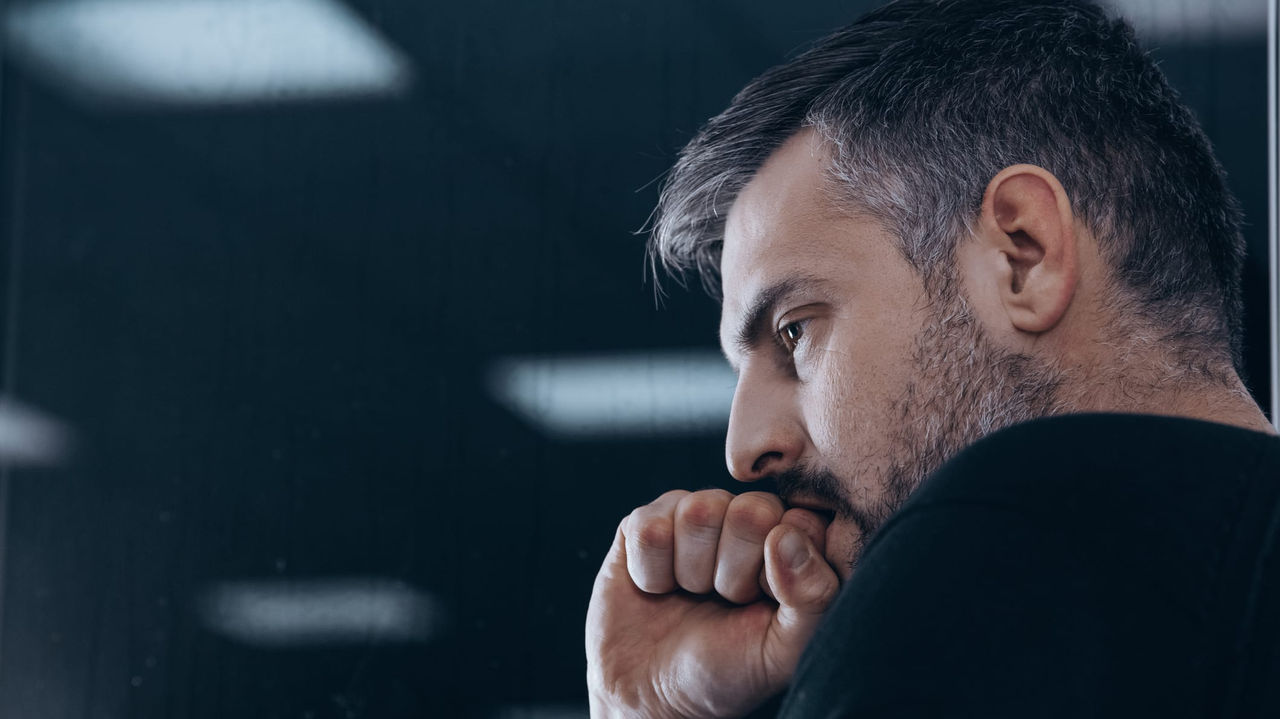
column 30, row 437
column 180, row 52
column 285, row 613
column 1174, row 20
column 647, row 394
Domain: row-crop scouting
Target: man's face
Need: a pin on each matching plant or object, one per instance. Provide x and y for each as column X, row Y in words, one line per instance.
column 853, row 382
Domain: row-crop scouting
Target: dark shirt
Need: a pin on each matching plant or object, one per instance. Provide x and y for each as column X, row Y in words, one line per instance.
column 1081, row 566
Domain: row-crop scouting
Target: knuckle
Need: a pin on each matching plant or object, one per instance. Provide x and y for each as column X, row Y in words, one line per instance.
column 702, row 511
column 819, row 590
column 827, row 593
column 753, row 514
column 652, row 534
column 763, row 501
column 675, row 494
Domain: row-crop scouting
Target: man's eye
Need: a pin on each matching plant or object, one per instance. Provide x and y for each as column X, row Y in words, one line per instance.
column 791, row 334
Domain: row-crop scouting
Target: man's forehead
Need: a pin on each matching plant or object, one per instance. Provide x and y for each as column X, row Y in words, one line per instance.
column 774, row 229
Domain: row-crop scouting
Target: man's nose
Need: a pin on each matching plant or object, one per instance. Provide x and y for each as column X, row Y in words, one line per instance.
column 765, row 435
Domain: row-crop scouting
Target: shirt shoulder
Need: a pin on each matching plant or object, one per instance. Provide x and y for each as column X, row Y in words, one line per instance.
column 1079, row 566
column 1160, row 499
column 1127, row 455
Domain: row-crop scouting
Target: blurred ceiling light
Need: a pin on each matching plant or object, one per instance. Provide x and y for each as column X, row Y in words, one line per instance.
column 646, row 394
column 1176, row 20
column 281, row 613
column 203, row 52
column 30, row 437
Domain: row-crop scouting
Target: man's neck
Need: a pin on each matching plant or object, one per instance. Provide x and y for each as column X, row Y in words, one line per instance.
column 1228, row 404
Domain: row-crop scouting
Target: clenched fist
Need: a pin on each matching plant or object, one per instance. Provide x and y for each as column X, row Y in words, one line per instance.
column 704, row 604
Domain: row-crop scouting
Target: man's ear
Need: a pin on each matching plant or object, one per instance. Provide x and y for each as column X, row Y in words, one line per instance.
column 1027, row 237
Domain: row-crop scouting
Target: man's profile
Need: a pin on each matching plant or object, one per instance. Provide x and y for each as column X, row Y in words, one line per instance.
column 980, row 282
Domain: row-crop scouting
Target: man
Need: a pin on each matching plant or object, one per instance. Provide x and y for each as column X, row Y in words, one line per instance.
column 949, row 218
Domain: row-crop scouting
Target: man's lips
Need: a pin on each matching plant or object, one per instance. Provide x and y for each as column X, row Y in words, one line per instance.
column 811, row 504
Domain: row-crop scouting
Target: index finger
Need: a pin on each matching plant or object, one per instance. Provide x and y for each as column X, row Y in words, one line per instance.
column 649, row 534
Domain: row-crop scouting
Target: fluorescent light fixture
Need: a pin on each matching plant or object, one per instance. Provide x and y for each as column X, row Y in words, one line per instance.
column 200, row 52
column 287, row 613
column 31, row 437
column 1195, row 19
column 631, row 395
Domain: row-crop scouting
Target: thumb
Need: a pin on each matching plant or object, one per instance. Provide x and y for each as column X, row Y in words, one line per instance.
column 804, row 585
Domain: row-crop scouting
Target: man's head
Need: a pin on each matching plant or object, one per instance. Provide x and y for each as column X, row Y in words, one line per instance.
column 939, row 221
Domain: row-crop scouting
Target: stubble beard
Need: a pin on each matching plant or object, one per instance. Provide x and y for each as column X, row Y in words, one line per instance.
column 963, row 388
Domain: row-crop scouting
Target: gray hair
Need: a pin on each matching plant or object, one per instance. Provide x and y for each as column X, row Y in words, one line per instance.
column 922, row 102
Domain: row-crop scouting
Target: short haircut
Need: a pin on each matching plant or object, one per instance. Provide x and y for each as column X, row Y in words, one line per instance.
column 923, row 102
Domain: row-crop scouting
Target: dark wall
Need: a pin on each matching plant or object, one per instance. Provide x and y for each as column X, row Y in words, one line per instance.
column 269, row 326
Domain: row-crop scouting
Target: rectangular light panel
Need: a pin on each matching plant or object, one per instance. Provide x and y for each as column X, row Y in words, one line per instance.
column 1192, row 19
column 201, row 52
column 29, row 437
column 645, row 394
column 290, row 613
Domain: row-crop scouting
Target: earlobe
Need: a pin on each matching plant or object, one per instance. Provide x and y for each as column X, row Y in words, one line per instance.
column 1027, row 222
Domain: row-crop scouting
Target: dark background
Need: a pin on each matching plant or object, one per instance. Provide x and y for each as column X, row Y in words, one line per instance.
column 269, row 326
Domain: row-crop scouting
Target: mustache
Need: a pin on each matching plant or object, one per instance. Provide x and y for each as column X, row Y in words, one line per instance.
column 818, row 484
column 824, row 487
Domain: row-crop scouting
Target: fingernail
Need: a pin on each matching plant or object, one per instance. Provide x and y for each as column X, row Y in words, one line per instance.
column 793, row 549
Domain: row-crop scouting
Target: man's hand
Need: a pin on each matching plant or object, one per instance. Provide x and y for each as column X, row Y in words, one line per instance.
column 679, row 624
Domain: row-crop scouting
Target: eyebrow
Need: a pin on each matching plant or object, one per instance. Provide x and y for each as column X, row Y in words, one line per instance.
column 754, row 327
